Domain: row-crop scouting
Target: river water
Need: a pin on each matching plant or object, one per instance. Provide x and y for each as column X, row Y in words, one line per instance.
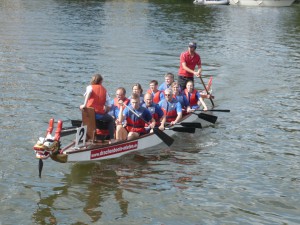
column 242, row 170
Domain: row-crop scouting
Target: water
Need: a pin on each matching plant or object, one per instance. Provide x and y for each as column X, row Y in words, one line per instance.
column 242, row 170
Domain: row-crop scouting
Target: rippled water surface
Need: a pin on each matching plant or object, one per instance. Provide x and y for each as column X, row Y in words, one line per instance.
column 242, row 170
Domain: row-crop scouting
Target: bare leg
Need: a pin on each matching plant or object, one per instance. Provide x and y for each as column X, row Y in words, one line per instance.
column 132, row 135
column 121, row 133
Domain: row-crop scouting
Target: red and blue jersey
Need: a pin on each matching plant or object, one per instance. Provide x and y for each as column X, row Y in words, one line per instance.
column 170, row 109
column 115, row 108
column 156, row 113
column 135, row 123
column 156, row 97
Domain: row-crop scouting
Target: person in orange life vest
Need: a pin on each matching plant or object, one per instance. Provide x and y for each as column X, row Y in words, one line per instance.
column 188, row 62
column 121, row 133
column 171, row 108
column 156, row 94
column 97, row 97
column 194, row 97
column 137, row 88
column 169, row 79
column 155, row 110
column 181, row 98
column 135, row 125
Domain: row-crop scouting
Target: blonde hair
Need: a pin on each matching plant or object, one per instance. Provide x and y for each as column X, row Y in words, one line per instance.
column 169, row 75
column 174, row 83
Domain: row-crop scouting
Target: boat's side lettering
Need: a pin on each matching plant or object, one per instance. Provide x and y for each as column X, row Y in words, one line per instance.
column 113, row 150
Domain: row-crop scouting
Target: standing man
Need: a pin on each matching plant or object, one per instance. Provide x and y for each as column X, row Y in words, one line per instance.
column 188, row 61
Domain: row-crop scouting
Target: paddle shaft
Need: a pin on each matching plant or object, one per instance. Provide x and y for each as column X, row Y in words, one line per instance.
column 213, row 110
column 206, row 91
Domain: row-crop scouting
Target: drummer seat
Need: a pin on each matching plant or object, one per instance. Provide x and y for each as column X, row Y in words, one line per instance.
column 96, row 129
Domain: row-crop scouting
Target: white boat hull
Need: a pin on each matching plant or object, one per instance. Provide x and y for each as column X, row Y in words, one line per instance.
column 211, row 2
column 93, row 152
column 272, row 3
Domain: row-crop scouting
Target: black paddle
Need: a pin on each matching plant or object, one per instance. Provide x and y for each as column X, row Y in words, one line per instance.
column 40, row 167
column 190, row 124
column 68, row 130
column 182, row 129
column 163, row 136
column 207, row 117
column 213, row 110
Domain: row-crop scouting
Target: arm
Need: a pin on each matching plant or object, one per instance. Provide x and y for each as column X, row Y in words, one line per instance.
column 120, row 116
column 87, row 96
column 201, row 101
column 179, row 114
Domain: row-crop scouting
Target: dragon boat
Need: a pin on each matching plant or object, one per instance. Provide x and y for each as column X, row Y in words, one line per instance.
column 91, row 142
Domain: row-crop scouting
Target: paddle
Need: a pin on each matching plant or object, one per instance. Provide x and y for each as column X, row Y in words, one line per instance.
column 207, row 117
column 163, row 136
column 189, row 124
column 213, row 110
column 40, row 167
column 206, row 91
column 68, row 130
column 182, row 129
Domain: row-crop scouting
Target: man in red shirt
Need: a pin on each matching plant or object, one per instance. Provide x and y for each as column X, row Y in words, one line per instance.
column 188, row 61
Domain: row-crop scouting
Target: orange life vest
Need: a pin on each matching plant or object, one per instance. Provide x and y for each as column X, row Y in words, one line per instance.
column 155, row 96
column 116, row 102
column 191, row 97
column 97, row 98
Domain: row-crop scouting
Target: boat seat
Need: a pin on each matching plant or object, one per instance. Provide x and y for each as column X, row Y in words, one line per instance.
column 96, row 129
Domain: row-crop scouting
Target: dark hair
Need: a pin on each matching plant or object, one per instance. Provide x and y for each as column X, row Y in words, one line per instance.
column 123, row 89
column 135, row 96
column 139, row 87
column 154, row 81
column 96, row 79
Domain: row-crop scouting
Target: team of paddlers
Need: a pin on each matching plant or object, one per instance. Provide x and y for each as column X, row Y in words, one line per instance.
column 128, row 118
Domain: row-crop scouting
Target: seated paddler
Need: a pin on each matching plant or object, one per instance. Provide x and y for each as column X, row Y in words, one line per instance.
column 121, row 133
column 97, row 97
column 136, row 116
column 155, row 110
column 194, row 97
column 171, row 107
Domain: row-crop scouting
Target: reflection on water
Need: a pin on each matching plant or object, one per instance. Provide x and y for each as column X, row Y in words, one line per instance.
column 92, row 186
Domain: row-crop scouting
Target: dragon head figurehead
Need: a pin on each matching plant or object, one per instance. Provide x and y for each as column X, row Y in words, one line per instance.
column 46, row 146
column 50, row 144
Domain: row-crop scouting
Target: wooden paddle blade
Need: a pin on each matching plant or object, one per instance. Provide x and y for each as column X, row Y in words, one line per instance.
column 164, row 137
column 207, row 117
column 183, row 129
column 191, row 124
